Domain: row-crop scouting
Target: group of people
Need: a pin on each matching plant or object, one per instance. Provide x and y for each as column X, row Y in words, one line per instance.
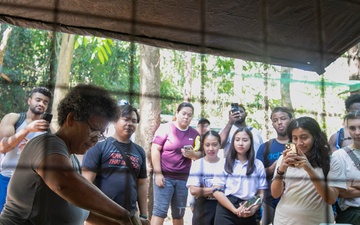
column 44, row 183
column 294, row 187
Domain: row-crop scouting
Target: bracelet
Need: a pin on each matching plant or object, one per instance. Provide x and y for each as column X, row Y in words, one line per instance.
column 143, row 216
column 217, row 189
column 280, row 173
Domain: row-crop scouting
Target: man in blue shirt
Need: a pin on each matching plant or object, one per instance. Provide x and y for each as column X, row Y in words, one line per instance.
column 269, row 152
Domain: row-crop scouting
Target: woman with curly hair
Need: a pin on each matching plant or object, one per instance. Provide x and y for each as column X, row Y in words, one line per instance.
column 308, row 180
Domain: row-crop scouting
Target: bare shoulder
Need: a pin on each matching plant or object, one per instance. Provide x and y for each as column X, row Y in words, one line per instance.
column 10, row 119
column 7, row 125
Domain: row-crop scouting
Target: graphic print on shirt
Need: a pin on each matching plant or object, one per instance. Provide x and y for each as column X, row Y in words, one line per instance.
column 116, row 160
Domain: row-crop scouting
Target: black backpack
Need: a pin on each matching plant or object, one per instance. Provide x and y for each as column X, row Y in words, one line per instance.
column 21, row 119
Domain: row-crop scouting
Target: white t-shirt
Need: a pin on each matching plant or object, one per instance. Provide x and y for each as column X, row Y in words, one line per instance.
column 238, row 183
column 300, row 203
column 351, row 172
column 202, row 172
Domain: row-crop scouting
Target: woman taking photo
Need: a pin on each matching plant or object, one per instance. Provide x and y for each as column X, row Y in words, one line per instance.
column 171, row 156
column 309, row 180
column 200, row 180
column 242, row 179
column 349, row 202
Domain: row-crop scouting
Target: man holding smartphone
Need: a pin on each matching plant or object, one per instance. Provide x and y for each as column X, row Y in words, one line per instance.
column 237, row 119
column 16, row 129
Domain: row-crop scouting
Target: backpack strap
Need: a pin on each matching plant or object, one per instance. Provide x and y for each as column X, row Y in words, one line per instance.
column 22, row 117
column 352, row 156
column 267, row 151
column 339, row 138
column 126, row 158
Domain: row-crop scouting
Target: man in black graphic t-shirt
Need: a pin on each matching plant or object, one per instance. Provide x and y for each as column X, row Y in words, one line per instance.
column 105, row 165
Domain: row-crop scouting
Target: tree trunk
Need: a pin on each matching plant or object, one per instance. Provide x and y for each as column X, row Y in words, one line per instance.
column 354, row 62
column 149, row 105
column 3, row 45
column 238, row 80
column 187, row 76
column 285, row 87
column 63, row 72
column 266, row 103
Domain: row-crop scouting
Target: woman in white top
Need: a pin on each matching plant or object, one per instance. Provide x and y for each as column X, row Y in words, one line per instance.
column 308, row 181
column 349, row 201
column 200, row 179
column 241, row 179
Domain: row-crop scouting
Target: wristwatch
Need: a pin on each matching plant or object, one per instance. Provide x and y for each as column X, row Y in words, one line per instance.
column 280, row 173
column 217, row 189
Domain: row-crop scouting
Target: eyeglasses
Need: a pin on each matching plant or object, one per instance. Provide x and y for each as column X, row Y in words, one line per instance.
column 95, row 133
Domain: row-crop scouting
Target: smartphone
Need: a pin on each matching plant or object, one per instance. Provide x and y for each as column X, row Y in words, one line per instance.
column 46, row 116
column 187, row 147
column 291, row 146
column 256, row 200
column 234, row 107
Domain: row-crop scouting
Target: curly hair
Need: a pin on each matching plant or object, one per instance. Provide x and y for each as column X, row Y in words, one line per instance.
column 282, row 109
column 41, row 90
column 319, row 155
column 250, row 154
column 86, row 100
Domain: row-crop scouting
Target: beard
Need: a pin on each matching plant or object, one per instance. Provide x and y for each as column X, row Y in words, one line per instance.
column 240, row 120
column 282, row 134
column 36, row 112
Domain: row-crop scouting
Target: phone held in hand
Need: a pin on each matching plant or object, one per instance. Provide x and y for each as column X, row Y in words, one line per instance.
column 256, row 200
column 46, row 116
column 234, row 107
column 187, row 147
column 292, row 147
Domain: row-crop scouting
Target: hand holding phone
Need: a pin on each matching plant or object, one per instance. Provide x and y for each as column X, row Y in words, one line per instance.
column 187, row 147
column 46, row 116
column 291, row 147
column 292, row 150
column 234, row 107
column 256, row 200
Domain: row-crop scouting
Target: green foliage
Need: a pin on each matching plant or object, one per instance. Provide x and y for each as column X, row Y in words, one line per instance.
column 171, row 96
column 27, row 64
column 115, row 68
column 114, row 65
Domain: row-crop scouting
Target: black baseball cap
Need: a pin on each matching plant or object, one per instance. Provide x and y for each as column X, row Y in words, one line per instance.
column 203, row 120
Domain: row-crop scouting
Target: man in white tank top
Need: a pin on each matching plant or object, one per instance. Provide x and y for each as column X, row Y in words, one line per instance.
column 16, row 131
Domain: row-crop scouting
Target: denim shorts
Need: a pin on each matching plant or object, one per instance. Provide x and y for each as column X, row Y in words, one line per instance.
column 174, row 193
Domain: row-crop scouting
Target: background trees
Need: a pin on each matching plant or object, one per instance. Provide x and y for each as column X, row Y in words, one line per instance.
column 157, row 80
column 209, row 82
